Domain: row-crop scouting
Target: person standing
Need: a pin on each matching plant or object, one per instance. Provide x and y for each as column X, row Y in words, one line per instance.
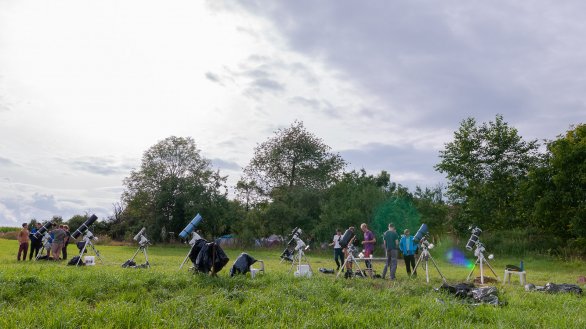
column 408, row 248
column 23, row 242
column 338, row 249
column 36, row 243
column 368, row 245
column 391, row 242
column 65, row 241
column 57, row 244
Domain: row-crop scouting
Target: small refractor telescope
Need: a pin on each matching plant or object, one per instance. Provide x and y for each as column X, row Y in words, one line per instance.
column 474, row 238
column 143, row 243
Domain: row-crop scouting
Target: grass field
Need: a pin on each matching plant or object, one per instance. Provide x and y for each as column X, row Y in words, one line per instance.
column 52, row 295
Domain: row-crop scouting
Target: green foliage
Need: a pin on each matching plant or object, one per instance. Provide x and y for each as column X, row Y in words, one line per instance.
column 554, row 194
column 397, row 210
column 173, row 183
column 351, row 201
column 294, row 157
column 485, row 166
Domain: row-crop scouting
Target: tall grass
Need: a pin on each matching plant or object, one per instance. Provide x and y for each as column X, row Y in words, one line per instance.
column 52, row 295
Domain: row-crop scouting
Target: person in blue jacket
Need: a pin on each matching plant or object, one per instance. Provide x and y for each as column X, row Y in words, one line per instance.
column 409, row 249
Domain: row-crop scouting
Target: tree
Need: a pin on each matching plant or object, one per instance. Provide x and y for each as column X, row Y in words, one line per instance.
column 357, row 198
column 556, row 190
column 293, row 157
column 173, row 183
column 484, row 166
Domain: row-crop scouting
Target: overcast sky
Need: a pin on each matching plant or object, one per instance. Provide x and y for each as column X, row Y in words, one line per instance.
column 87, row 86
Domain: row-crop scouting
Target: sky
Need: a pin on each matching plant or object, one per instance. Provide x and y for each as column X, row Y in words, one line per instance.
column 86, row 87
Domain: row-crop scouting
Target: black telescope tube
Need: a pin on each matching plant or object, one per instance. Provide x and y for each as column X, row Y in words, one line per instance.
column 43, row 229
column 83, row 227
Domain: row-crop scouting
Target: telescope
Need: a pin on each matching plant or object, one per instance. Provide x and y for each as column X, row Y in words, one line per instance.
column 43, row 229
column 346, row 239
column 190, row 227
column 84, row 227
column 141, row 238
column 143, row 243
column 420, row 233
column 474, row 237
column 139, row 234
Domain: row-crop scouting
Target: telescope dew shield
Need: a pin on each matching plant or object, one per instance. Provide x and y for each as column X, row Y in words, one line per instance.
column 420, row 233
column 139, row 234
column 43, row 229
column 83, row 227
column 190, row 227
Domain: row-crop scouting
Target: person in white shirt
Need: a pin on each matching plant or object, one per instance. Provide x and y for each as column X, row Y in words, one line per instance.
column 338, row 254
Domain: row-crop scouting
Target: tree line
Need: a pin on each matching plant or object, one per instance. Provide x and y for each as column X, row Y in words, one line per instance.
column 508, row 186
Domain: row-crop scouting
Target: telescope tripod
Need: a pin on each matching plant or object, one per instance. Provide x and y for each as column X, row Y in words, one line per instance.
column 481, row 260
column 349, row 260
column 40, row 254
column 44, row 243
column 425, row 257
column 299, row 259
column 87, row 241
column 146, row 257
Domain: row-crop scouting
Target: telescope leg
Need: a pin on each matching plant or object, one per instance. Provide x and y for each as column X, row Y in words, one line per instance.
column 491, row 269
column 417, row 264
column 437, row 268
column 180, row 267
column 137, row 251
column 352, row 260
column 40, row 254
column 473, row 267
column 81, row 253
column 146, row 257
column 343, row 266
column 96, row 252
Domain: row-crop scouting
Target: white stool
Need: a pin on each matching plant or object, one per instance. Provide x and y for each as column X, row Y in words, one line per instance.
column 255, row 271
column 522, row 276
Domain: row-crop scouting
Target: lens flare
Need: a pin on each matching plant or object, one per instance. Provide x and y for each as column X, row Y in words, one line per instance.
column 456, row 257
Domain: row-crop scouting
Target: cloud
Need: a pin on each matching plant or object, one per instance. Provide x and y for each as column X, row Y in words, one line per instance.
column 406, row 164
column 225, row 165
column 433, row 66
column 270, row 85
column 98, row 166
column 213, row 77
column 6, row 162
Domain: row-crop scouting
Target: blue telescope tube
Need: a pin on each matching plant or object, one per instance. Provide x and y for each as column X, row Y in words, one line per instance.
column 190, row 227
column 420, row 233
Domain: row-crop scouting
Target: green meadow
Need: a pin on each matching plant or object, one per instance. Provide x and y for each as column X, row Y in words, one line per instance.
column 46, row 294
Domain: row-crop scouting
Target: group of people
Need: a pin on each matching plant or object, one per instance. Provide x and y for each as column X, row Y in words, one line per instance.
column 392, row 243
column 55, row 244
